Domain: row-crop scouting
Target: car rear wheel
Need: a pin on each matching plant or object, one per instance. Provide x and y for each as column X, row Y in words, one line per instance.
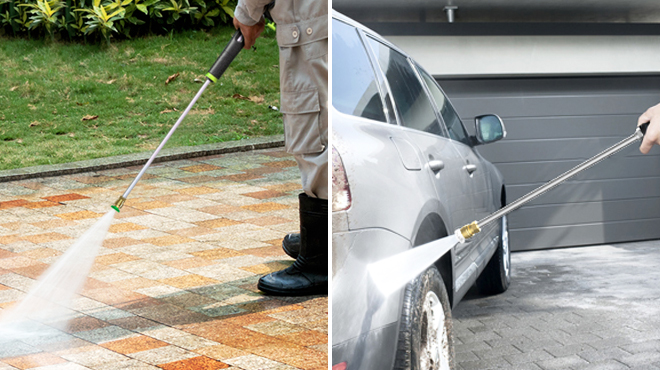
column 425, row 335
column 495, row 279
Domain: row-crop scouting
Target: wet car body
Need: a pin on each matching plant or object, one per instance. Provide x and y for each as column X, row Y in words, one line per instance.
column 408, row 186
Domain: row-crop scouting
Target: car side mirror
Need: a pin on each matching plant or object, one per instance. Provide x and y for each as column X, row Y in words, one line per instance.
column 490, row 128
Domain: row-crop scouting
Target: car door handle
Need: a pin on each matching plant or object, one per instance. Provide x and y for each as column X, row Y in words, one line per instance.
column 470, row 168
column 436, row 165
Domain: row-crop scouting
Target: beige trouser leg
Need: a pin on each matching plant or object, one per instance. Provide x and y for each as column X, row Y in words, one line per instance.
column 314, row 171
column 304, row 99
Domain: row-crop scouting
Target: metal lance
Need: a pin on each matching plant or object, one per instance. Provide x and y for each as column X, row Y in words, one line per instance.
column 468, row 231
column 219, row 67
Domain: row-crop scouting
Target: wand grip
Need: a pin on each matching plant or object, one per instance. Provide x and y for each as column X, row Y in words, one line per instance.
column 226, row 57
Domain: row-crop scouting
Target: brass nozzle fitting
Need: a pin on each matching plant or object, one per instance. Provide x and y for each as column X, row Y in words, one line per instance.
column 118, row 204
column 467, row 231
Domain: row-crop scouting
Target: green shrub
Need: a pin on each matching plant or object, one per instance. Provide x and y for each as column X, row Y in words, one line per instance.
column 93, row 20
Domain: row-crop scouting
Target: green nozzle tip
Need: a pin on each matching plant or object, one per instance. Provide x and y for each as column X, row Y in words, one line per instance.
column 115, row 208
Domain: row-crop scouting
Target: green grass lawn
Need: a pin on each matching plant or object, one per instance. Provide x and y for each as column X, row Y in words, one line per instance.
column 47, row 88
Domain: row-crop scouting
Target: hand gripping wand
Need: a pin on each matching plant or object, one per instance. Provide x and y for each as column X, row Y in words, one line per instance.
column 468, row 231
column 219, row 67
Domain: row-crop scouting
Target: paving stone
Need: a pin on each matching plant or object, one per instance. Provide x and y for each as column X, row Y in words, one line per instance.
column 603, row 365
column 529, row 345
column 162, row 355
column 641, row 358
column 464, row 357
column 200, row 362
column 647, row 346
column 497, row 352
column 568, row 339
column 562, row 362
column 460, row 347
column 571, row 349
column 126, row 364
column 104, row 334
column 530, row 356
column 597, row 355
column 252, row 362
column 94, row 357
column 133, row 344
column 498, row 363
column 527, row 366
column 62, row 366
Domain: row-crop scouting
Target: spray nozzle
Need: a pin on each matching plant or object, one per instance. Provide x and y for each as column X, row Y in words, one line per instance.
column 466, row 232
column 118, row 204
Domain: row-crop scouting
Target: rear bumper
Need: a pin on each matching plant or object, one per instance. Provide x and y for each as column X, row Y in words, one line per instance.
column 366, row 352
column 365, row 323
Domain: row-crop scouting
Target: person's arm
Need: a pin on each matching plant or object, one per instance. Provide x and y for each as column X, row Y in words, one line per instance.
column 652, row 135
column 248, row 17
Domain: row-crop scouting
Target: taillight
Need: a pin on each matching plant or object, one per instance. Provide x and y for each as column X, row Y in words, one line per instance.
column 340, row 366
column 341, row 192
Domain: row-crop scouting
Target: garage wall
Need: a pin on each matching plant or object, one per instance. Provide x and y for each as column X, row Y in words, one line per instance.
column 553, row 124
column 471, row 56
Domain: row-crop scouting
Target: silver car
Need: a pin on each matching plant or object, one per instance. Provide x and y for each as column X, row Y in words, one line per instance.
column 405, row 173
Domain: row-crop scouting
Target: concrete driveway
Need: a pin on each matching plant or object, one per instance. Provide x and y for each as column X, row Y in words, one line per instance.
column 174, row 286
column 579, row 308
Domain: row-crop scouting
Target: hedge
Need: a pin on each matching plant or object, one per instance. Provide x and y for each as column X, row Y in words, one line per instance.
column 102, row 19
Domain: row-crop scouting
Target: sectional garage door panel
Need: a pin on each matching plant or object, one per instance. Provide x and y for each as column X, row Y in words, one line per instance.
column 566, row 127
column 585, row 234
column 586, row 213
column 589, row 191
column 562, row 106
column 554, row 124
column 615, row 168
column 536, row 150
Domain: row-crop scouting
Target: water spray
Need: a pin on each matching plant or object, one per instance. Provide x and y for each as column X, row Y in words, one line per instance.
column 45, row 312
column 417, row 259
column 217, row 70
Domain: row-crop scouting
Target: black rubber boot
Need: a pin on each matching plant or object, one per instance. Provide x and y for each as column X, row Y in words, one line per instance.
column 291, row 245
column 309, row 273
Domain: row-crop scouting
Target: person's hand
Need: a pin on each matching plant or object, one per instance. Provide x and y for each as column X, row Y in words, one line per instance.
column 250, row 33
column 652, row 135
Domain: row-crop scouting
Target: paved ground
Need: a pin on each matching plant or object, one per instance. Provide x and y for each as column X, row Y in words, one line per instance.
column 174, row 286
column 579, row 308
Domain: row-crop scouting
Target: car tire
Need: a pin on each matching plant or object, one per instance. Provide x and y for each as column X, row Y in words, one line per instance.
column 495, row 279
column 425, row 332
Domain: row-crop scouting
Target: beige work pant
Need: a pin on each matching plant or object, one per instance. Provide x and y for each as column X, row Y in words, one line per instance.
column 304, row 101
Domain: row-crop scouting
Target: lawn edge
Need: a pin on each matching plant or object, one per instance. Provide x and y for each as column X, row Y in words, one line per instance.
column 169, row 154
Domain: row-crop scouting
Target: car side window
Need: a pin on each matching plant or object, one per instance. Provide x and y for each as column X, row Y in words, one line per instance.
column 412, row 103
column 354, row 86
column 449, row 115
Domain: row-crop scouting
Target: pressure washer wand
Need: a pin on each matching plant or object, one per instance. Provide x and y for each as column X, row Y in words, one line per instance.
column 468, row 231
column 218, row 69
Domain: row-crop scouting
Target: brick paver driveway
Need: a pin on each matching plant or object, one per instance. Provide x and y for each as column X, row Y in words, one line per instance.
column 579, row 308
column 174, row 286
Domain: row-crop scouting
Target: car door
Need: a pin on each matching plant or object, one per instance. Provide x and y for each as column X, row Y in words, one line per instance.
column 442, row 162
column 473, row 168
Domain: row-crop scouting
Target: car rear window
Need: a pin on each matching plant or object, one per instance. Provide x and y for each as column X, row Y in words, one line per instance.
column 415, row 109
column 354, row 86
